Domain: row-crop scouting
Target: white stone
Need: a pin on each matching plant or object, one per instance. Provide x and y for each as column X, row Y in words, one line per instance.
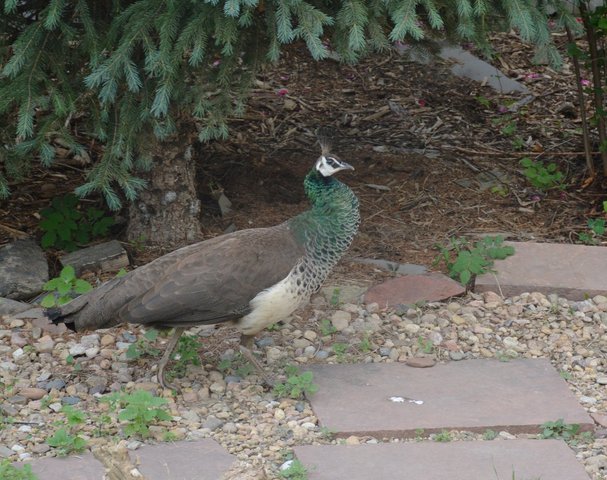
column 341, row 320
column 77, row 350
column 412, row 328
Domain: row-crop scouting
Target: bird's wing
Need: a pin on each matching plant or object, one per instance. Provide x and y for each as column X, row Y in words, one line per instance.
column 216, row 281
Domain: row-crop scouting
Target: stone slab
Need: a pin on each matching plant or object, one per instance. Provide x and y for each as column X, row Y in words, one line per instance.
column 472, row 67
column 75, row 467
column 410, row 289
column 389, row 266
column 105, row 257
column 572, row 271
column 474, row 460
column 9, row 307
column 473, row 395
column 23, row 270
column 200, row 460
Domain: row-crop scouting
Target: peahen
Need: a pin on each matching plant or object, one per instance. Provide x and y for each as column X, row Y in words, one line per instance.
column 252, row 277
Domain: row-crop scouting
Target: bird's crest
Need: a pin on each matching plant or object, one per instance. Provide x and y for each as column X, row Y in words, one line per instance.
column 326, row 138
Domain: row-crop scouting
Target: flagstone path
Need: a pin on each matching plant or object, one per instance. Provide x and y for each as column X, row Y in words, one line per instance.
column 392, row 401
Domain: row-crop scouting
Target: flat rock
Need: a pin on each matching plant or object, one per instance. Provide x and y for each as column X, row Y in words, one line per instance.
column 9, row 307
column 420, row 362
column 23, row 270
column 575, row 272
column 201, row 460
column 469, row 66
column 81, row 467
column 400, row 268
column 473, row 395
column 410, row 289
column 104, row 257
column 478, row 460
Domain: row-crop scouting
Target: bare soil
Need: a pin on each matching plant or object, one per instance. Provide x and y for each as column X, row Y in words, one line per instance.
column 420, row 139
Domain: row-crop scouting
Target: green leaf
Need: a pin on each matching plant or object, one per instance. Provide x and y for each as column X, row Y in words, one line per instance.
column 48, row 301
column 68, row 274
column 82, row 286
column 48, row 239
column 151, row 335
column 464, row 277
column 64, row 288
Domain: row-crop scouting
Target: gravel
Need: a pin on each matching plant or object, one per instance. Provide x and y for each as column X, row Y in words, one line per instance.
column 44, row 372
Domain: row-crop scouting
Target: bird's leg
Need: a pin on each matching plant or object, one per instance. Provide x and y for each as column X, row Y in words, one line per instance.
column 246, row 348
column 170, row 348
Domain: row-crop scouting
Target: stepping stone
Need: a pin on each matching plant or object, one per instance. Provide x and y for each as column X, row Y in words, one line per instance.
column 572, row 271
column 383, row 400
column 411, row 289
column 81, row 467
column 471, row 460
column 200, row 460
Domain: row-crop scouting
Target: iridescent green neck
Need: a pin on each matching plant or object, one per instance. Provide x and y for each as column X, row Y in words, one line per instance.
column 328, row 228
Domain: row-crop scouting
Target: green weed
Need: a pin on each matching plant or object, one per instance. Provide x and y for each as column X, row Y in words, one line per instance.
column 10, row 472
column 326, row 327
column 297, row 384
column 295, row 471
column 444, row 436
column 65, row 226
column 143, row 346
column 464, row 261
column 140, row 409
column 65, row 442
column 64, row 288
column 542, row 176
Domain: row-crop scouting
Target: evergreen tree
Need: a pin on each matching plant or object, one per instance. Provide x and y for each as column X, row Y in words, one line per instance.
column 145, row 78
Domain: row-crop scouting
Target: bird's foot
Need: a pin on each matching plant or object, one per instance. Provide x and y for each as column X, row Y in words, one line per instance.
column 161, row 375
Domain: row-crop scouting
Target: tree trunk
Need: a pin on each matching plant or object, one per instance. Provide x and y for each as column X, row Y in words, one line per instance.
column 167, row 211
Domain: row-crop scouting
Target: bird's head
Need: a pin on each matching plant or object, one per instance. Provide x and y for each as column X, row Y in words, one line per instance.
column 328, row 164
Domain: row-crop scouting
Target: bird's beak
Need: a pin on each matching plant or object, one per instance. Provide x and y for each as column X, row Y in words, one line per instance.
column 346, row 166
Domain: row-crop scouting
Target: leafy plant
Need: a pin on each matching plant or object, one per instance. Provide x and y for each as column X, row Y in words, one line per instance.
column 8, row 471
column 425, row 344
column 295, row 471
column 237, row 365
column 335, row 297
column 597, row 229
column 139, row 410
column 66, row 287
column 340, row 349
column 73, row 416
column 365, row 344
column 65, row 442
column 326, row 327
column 542, row 176
column 297, row 384
column 444, row 436
column 559, row 429
column 65, row 226
column 464, row 261
column 143, row 346
column 185, row 354
column 489, row 434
